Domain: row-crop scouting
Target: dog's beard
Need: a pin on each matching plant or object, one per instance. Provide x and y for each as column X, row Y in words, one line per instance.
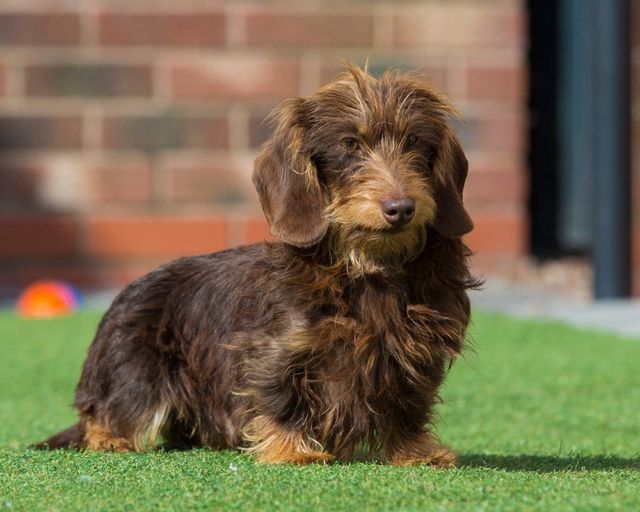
column 364, row 251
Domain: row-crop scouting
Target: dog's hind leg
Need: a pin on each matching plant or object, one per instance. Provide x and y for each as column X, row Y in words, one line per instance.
column 72, row 437
column 103, row 434
column 99, row 433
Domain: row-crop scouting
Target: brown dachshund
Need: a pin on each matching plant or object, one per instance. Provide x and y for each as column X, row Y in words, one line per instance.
column 334, row 338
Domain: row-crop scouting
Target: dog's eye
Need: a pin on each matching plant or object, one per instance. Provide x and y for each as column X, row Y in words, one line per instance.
column 411, row 140
column 350, row 143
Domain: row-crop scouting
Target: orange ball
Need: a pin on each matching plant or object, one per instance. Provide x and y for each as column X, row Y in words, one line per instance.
column 45, row 299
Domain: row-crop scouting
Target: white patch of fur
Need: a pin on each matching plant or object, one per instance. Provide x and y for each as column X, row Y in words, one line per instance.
column 152, row 431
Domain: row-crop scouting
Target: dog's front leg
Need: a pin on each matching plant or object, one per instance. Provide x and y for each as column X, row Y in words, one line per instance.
column 275, row 444
column 420, row 447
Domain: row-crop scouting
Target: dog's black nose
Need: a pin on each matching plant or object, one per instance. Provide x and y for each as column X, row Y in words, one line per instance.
column 398, row 212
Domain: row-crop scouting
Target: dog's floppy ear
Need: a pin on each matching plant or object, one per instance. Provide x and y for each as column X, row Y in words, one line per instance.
column 292, row 198
column 451, row 167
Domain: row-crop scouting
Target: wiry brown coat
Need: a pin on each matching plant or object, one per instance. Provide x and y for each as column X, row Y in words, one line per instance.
column 336, row 337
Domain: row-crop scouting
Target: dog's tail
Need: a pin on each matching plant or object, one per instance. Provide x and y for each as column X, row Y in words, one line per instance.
column 72, row 437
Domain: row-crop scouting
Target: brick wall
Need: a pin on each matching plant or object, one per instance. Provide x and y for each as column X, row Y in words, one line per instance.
column 128, row 129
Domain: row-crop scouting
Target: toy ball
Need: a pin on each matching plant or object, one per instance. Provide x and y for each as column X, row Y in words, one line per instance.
column 46, row 299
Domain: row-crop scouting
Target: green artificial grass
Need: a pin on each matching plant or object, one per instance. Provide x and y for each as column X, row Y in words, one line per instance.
column 544, row 417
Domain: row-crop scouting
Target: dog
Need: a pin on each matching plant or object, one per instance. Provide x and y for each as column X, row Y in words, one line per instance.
column 333, row 339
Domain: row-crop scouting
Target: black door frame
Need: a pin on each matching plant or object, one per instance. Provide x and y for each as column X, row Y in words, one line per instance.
column 580, row 108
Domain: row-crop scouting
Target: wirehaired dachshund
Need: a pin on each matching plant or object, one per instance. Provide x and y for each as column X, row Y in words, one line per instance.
column 329, row 343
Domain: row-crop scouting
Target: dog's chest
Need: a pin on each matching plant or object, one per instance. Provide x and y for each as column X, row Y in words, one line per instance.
column 377, row 350
column 380, row 365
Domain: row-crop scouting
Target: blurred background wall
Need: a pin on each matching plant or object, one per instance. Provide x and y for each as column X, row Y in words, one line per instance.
column 128, row 128
column 635, row 146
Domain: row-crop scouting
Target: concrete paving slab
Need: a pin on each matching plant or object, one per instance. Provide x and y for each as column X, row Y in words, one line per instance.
column 619, row 316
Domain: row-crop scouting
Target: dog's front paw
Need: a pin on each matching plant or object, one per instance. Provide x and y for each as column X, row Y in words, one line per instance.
column 304, row 458
column 274, row 444
column 439, row 457
column 301, row 458
column 423, row 448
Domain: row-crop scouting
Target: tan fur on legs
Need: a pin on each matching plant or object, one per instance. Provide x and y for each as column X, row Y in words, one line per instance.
column 425, row 449
column 100, row 439
column 273, row 444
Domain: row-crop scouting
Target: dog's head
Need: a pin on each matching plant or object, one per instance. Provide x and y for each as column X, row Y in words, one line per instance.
column 368, row 164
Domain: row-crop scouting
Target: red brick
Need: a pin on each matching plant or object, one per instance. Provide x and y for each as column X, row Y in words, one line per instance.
column 259, row 129
column 635, row 287
column 635, row 126
column 635, row 257
column 495, row 186
column 452, row 24
column 88, row 80
column 635, row 22
column 83, row 274
column 39, row 29
column 165, row 131
column 175, row 29
column 235, row 77
column 42, row 235
column 433, row 72
column 635, row 75
column 256, row 229
column 265, row 26
column 119, row 182
column 495, row 83
column 503, row 131
column 635, row 248
column 20, row 184
column 36, row 132
column 498, row 233
column 496, row 264
column 635, row 174
column 18, row 275
column 124, row 273
column 155, row 236
column 219, row 181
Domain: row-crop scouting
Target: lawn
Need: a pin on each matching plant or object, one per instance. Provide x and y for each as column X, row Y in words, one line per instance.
column 544, row 417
